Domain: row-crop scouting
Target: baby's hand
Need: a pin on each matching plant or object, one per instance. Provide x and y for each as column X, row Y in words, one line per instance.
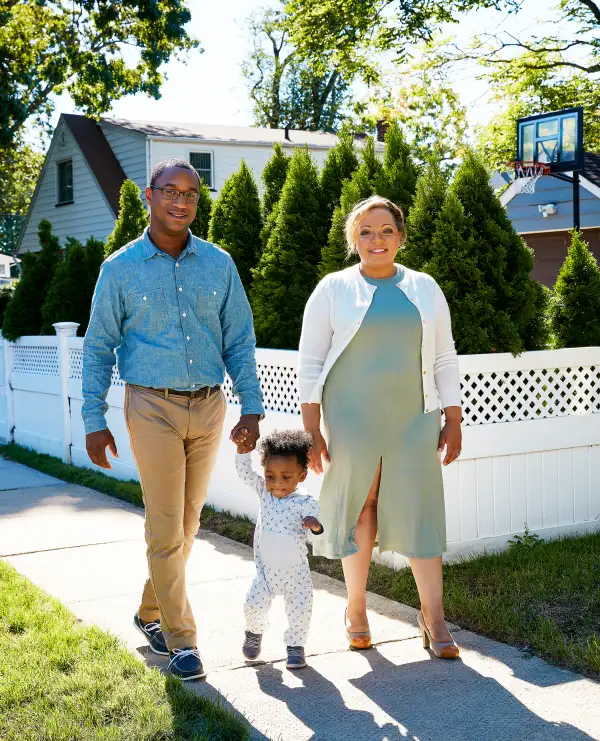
column 312, row 524
column 240, row 437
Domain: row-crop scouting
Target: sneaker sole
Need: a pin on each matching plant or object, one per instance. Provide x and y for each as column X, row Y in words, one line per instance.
column 296, row 666
column 150, row 646
column 189, row 679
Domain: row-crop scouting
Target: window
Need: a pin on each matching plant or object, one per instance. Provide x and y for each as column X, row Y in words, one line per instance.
column 65, row 182
column 202, row 163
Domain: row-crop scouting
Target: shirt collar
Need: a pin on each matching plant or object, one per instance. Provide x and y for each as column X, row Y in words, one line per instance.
column 149, row 249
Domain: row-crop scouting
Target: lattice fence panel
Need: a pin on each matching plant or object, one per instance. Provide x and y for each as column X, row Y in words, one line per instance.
column 36, row 361
column 76, row 362
column 513, row 396
column 279, row 386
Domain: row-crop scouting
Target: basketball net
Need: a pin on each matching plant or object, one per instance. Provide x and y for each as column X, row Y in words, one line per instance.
column 524, row 175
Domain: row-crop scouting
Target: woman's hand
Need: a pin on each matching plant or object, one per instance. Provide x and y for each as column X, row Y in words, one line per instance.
column 451, row 435
column 319, row 453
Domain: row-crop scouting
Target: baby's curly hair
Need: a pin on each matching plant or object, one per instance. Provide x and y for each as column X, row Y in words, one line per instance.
column 286, row 444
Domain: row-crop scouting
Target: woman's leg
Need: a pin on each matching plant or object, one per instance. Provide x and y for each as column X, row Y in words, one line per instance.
column 356, row 566
column 428, row 577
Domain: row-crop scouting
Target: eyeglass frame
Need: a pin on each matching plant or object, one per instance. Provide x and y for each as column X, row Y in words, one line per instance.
column 179, row 193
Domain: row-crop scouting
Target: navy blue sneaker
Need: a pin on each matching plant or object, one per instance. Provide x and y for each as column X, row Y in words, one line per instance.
column 295, row 657
column 252, row 645
column 153, row 634
column 186, row 664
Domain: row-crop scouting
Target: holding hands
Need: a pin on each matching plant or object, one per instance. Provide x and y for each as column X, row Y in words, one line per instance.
column 246, row 433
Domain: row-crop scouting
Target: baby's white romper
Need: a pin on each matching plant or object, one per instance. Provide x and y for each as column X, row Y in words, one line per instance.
column 280, row 556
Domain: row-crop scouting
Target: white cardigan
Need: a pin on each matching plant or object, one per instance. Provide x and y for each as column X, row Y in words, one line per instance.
column 335, row 312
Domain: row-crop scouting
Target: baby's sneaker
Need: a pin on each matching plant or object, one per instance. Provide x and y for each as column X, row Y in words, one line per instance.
column 295, row 657
column 251, row 647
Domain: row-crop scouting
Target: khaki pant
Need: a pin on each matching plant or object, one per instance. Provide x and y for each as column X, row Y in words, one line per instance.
column 174, row 442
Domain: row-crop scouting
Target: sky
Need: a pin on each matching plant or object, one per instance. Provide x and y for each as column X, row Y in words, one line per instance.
column 209, row 88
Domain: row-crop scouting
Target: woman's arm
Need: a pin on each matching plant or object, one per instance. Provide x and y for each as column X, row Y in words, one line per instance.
column 311, row 418
column 315, row 340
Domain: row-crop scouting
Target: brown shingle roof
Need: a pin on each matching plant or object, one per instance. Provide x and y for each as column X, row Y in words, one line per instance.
column 591, row 168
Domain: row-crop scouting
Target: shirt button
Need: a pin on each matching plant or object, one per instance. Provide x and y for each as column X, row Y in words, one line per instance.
column 214, row 293
column 145, row 298
column 191, row 361
column 187, row 338
column 180, row 290
column 176, row 264
column 184, row 314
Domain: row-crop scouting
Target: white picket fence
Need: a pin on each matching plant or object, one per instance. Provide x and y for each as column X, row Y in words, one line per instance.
column 531, row 451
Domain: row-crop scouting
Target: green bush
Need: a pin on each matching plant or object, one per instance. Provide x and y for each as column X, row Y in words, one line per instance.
column 286, row 273
column 399, row 169
column 199, row 226
column 131, row 221
column 575, row 307
column 23, row 314
column 236, row 222
column 421, row 222
column 273, row 176
column 339, row 166
column 6, row 293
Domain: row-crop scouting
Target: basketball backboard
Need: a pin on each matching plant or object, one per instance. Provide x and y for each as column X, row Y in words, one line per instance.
column 552, row 138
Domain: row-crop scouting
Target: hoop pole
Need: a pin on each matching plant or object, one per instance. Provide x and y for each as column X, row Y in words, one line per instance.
column 576, row 208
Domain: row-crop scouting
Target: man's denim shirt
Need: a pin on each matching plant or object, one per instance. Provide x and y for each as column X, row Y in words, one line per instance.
column 176, row 324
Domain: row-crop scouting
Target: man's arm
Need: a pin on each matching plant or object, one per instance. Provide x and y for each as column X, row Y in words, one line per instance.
column 239, row 346
column 102, row 337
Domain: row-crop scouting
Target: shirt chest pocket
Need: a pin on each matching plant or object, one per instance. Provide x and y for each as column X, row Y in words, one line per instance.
column 147, row 310
column 209, row 300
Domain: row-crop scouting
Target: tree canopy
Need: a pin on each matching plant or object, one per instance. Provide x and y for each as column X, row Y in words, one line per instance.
column 20, row 167
column 48, row 47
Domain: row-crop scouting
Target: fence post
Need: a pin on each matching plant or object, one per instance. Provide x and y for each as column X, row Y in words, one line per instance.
column 64, row 331
column 10, row 404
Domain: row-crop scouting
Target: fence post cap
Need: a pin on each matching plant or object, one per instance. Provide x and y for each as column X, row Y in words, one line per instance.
column 69, row 329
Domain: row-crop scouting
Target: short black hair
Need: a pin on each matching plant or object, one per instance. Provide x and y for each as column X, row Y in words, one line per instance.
column 286, row 444
column 162, row 166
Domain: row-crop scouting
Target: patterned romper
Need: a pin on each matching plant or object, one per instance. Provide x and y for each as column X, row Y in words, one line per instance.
column 280, row 556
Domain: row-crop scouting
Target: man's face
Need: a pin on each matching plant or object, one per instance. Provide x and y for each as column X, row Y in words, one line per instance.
column 168, row 215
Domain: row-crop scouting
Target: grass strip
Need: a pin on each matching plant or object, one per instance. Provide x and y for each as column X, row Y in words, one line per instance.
column 542, row 596
column 60, row 681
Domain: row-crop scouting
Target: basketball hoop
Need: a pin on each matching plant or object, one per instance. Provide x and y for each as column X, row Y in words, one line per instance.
column 524, row 175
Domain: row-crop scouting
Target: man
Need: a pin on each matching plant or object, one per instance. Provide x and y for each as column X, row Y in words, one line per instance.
column 174, row 309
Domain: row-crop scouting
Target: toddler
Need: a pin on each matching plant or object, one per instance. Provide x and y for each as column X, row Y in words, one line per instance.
column 286, row 513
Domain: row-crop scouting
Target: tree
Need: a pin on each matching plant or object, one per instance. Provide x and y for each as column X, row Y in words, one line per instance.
column 457, row 265
column 421, row 222
column 131, row 221
column 199, row 226
column 286, row 273
column 20, row 168
column 70, row 294
column 575, row 307
column 506, row 261
column 273, row 176
column 399, row 170
column 283, row 87
column 24, row 313
column 236, row 221
column 6, row 293
column 48, row 47
column 339, row 166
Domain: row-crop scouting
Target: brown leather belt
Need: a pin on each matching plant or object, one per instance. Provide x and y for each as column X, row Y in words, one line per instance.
column 202, row 393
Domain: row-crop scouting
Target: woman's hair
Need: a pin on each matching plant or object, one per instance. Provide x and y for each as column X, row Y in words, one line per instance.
column 286, row 444
column 362, row 208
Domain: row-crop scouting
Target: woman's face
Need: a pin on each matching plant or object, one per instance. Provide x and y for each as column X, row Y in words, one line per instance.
column 377, row 238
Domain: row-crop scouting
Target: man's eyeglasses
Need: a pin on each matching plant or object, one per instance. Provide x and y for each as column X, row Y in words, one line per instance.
column 170, row 194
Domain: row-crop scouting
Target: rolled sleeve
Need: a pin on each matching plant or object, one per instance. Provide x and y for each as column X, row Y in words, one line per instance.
column 102, row 337
column 239, row 346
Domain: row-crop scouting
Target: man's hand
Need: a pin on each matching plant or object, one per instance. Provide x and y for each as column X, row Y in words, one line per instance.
column 246, row 433
column 96, row 444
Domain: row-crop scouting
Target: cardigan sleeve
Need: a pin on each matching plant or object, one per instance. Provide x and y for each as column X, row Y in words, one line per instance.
column 315, row 340
column 445, row 368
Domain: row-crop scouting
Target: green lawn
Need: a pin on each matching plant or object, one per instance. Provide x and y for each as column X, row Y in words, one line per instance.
column 60, row 681
column 545, row 597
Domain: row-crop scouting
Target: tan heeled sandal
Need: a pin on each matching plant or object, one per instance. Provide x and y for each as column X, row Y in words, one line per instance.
column 357, row 641
column 441, row 649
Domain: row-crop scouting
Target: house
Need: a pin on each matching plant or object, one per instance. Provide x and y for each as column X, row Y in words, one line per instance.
column 545, row 218
column 87, row 161
column 8, row 270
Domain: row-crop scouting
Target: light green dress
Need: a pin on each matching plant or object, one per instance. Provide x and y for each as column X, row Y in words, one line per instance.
column 373, row 410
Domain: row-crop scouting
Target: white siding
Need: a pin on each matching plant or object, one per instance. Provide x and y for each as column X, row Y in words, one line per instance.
column 89, row 215
column 130, row 150
column 226, row 157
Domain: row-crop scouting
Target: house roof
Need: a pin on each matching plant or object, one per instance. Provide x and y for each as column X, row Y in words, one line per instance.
column 100, row 157
column 225, row 134
column 591, row 168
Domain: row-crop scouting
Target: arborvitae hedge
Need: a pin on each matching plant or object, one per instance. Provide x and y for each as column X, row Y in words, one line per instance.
column 131, row 221
column 199, row 226
column 24, row 312
column 236, row 222
column 421, row 222
column 575, row 307
column 339, row 166
column 273, row 176
column 6, row 294
column 400, row 170
column 286, row 273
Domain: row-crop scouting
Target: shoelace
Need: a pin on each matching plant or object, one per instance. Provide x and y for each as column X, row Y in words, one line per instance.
column 295, row 652
column 253, row 640
column 181, row 653
column 151, row 627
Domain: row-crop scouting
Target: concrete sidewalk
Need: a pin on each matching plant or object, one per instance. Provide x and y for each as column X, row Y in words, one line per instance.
column 87, row 549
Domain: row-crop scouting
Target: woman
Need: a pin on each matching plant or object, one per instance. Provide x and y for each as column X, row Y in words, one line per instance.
column 376, row 352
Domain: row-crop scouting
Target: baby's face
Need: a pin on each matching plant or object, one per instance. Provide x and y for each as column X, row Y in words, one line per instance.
column 282, row 475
